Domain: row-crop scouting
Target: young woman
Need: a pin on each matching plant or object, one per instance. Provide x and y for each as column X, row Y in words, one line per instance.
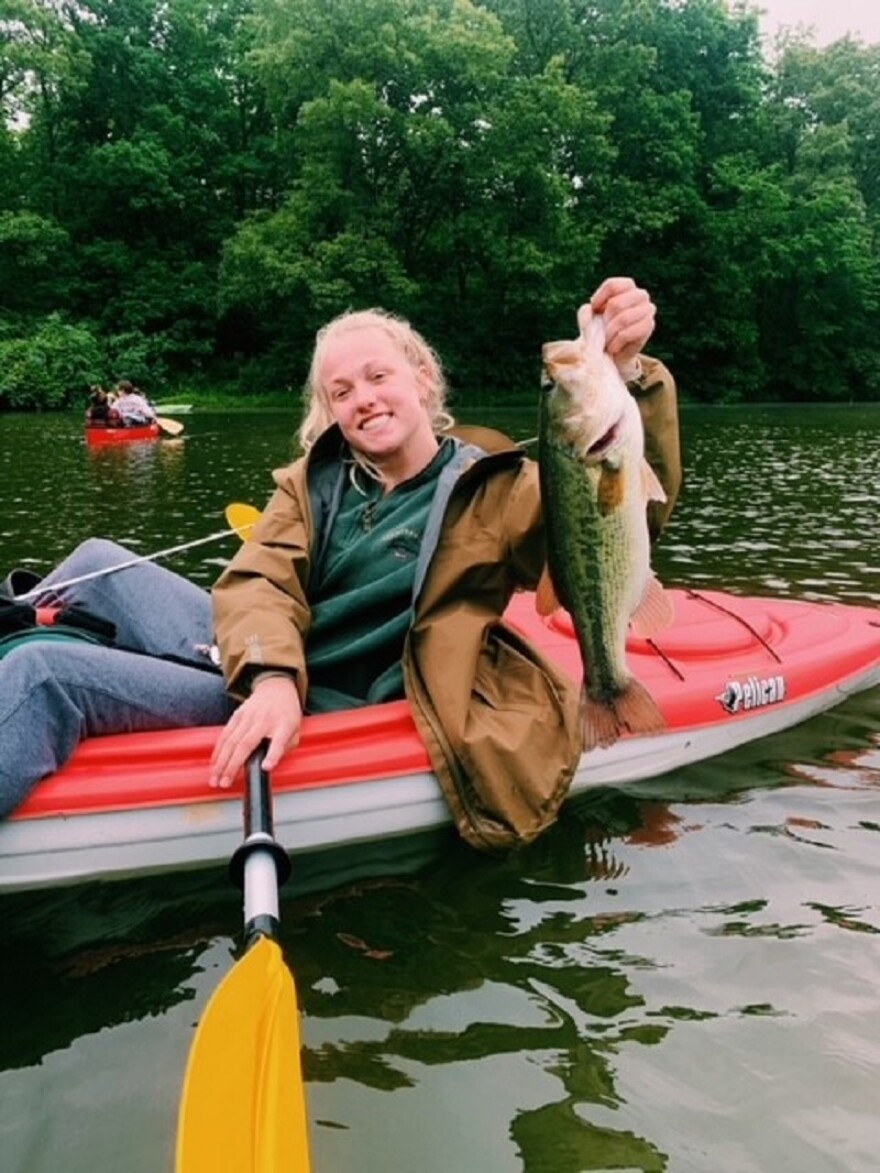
column 131, row 407
column 382, row 567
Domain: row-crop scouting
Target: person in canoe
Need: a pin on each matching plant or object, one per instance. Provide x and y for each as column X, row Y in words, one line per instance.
column 380, row 569
column 130, row 407
column 98, row 410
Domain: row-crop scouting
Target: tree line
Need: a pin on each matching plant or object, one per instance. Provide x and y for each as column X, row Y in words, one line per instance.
column 188, row 190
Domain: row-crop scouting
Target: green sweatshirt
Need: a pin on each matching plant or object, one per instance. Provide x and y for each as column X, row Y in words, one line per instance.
column 361, row 594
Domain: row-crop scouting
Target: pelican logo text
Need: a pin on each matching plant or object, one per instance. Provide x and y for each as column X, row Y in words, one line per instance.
column 753, row 693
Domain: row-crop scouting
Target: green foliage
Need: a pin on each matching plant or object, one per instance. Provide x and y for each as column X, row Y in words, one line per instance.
column 137, row 357
column 200, row 184
column 52, row 368
column 33, row 259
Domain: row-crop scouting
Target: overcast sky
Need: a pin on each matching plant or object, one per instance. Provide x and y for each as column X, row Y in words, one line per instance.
column 832, row 18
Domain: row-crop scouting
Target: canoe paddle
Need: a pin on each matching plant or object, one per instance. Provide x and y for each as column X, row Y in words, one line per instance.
column 241, row 519
column 169, row 427
column 243, row 1108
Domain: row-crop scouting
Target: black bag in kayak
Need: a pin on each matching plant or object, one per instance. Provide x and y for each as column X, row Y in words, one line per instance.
column 21, row 622
column 19, row 618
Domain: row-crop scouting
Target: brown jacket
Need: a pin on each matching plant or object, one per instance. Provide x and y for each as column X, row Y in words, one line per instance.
column 499, row 720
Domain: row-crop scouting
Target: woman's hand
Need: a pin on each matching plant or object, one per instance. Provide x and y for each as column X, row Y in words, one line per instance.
column 272, row 713
column 629, row 319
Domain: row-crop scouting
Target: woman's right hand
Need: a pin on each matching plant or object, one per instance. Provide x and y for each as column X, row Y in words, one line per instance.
column 273, row 713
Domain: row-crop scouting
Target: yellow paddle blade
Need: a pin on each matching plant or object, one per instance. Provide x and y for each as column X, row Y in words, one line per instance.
column 172, row 427
column 242, row 518
column 243, row 1107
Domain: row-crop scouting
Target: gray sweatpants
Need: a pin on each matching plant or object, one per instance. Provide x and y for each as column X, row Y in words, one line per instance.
column 53, row 694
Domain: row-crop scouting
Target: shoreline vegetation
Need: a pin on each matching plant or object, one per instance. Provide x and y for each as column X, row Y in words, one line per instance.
column 188, row 191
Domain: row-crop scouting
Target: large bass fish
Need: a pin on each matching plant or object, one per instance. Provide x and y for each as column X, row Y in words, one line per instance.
column 595, row 486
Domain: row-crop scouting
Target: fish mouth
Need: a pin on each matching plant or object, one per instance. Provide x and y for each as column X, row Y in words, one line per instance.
column 607, row 440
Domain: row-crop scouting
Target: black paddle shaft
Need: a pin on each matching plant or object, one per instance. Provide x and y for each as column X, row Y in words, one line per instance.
column 259, row 832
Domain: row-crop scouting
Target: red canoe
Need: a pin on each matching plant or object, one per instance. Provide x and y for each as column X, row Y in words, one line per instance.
column 729, row 671
column 97, row 436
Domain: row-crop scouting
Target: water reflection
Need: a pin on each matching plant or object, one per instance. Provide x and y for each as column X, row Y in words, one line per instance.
column 89, row 958
column 471, row 962
column 778, row 501
column 559, row 1004
column 843, row 768
column 147, row 496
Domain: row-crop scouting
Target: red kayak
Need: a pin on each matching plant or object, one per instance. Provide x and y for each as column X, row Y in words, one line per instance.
column 98, row 435
column 729, row 671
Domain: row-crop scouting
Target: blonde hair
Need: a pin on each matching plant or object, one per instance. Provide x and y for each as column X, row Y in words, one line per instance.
column 318, row 416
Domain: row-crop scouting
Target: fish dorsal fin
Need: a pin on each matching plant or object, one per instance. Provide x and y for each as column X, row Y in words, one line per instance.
column 546, row 601
column 655, row 612
column 654, row 491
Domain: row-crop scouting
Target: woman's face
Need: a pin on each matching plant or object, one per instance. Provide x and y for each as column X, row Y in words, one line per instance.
column 377, row 397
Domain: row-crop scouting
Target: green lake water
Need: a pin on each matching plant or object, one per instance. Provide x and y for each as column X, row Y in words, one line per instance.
column 683, row 975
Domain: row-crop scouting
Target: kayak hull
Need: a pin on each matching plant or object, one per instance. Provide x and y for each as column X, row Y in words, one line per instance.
column 730, row 671
column 102, row 437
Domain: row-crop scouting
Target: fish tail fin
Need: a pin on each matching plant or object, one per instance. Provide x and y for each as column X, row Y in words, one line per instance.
column 598, row 722
column 591, row 327
column 633, row 710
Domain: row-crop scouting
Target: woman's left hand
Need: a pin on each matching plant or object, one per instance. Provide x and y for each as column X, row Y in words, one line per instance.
column 629, row 318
